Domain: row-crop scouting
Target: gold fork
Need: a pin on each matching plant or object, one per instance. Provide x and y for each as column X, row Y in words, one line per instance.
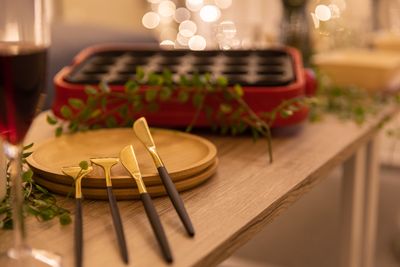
column 77, row 173
column 106, row 164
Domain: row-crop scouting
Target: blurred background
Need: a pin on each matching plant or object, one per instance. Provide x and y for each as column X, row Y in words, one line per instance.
column 314, row 27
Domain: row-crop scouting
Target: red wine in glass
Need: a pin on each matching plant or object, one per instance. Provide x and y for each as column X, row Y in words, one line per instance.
column 22, row 82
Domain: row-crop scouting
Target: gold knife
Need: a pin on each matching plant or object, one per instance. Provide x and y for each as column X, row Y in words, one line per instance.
column 130, row 163
column 142, row 132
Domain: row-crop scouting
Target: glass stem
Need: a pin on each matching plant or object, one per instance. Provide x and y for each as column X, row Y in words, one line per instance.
column 14, row 155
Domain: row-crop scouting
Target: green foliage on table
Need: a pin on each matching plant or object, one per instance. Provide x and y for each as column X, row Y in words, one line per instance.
column 232, row 115
column 37, row 200
column 106, row 108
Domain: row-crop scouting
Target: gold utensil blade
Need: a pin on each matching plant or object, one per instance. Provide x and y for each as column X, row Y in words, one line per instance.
column 77, row 173
column 106, row 164
column 130, row 163
column 142, row 132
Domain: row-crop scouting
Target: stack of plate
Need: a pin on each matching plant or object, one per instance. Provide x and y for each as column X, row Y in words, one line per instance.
column 190, row 160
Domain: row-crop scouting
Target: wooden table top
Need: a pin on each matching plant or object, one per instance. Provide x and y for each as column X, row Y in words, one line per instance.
column 246, row 194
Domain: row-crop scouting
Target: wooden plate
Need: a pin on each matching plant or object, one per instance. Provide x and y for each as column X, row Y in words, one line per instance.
column 130, row 192
column 183, row 154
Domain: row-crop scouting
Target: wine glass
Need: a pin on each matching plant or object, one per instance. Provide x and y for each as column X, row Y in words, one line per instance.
column 24, row 40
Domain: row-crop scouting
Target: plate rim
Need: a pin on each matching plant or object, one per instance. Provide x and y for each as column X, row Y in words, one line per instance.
column 196, row 167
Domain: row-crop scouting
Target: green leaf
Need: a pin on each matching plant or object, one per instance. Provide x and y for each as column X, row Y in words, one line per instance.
column 90, row 90
column 154, row 79
column 65, row 218
column 137, row 102
column 26, row 154
column 27, row 176
column 51, row 120
column 103, row 103
column 183, row 96
column 238, row 90
column 222, row 81
column 165, row 93
column 95, row 113
column 131, row 87
column 76, row 103
column 104, row 87
column 41, row 189
column 151, row 94
column 225, row 108
column 41, row 203
column 198, row 99
column 167, row 76
column 196, row 81
column 28, row 146
column 111, row 122
column 66, row 112
column 286, row 113
column 59, row 131
column 47, row 214
column 140, row 74
column 183, row 81
column 84, row 165
column 123, row 111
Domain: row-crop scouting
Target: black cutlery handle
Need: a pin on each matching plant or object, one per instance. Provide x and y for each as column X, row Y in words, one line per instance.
column 78, row 233
column 119, row 229
column 157, row 226
column 176, row 200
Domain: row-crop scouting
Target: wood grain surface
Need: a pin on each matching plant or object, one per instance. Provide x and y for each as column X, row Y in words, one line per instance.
column 130, row 191
column 246, row 193
column 183, row 154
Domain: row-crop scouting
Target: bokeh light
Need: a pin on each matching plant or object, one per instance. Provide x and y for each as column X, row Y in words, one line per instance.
column 168, row 33
column 223, row 4
column 166, row 8
column 187, row 28
column 181, row 14
column 194, row 5
column 227, row 28
column 210, row 13
column 182, row 40
column 151, row 20
column 197, row 43
column 167, row 44
column 323, row 12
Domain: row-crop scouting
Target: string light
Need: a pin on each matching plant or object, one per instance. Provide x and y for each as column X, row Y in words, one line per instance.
column 177, row 26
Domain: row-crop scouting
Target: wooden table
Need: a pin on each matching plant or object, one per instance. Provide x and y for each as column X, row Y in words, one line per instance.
column 244, row 196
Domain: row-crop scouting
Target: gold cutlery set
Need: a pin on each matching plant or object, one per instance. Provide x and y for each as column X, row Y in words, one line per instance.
column 129, row 161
